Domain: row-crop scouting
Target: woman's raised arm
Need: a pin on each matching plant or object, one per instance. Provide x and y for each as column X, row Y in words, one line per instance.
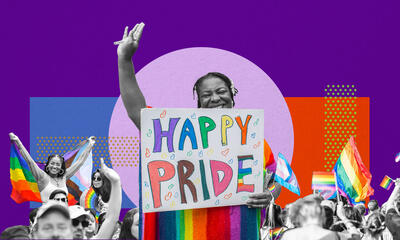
column 131, row 94
column 37, row 173
column 81, row 159
column 107, row 228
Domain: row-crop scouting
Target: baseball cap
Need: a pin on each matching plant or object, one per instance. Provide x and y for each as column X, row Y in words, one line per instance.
column 52, row 206
column 76, row 211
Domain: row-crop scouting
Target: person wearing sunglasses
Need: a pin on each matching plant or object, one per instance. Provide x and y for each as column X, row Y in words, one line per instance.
column 59, row 196
column 106, row 230
column 80, row 221
column 102, row 188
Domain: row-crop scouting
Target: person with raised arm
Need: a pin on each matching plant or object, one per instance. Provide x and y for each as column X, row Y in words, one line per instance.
column 106, row 230
column 214, row 90
column 55, row 174
column 392, row 207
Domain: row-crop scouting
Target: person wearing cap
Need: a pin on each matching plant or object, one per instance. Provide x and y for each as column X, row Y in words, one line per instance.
column 60, row 196
column 80, row 221
column 52, row 222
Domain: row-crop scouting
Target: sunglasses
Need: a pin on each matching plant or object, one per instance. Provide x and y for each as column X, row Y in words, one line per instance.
column 97, row 179
column 64, row 200
column 75, row 223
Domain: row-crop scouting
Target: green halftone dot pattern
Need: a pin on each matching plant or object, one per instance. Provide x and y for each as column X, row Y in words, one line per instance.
column 340, row 118
column 116, row 151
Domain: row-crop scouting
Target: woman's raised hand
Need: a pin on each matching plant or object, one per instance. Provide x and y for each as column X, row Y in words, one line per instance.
column 108, row 172
column 13, row 137
column 92, row 140
column 130, row 41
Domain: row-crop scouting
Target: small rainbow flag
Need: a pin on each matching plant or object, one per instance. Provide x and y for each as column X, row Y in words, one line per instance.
column 24, row 184
column 387, row 182
column 275, row 233
column 323, row 181
column 272, row 188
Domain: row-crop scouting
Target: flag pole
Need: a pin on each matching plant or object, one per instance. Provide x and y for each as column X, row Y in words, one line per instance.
column 337, row 191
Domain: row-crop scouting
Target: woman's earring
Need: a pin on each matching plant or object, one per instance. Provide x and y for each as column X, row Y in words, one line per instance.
column 62, row 171
column 47, row 169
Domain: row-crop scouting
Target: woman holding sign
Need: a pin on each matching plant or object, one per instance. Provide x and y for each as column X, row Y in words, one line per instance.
column 214, row 90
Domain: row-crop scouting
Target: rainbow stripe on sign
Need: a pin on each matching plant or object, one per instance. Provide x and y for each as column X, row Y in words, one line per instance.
column 241, row 187
column 323, row 181
column 387, row 182
column 228, row 223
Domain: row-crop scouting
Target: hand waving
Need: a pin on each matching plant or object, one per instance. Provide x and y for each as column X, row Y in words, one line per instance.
column 130, row 41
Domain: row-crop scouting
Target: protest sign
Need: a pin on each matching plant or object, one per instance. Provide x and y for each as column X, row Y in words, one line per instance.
column 198, row 158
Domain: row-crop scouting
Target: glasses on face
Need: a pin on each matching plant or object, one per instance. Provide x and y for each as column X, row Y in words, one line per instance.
column 95, row 178
column 64, row 200
column 75, row 223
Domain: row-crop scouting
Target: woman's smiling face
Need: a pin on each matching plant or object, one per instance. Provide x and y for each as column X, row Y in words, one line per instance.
column 214, row 93
column 54, row 165
column 97, row 180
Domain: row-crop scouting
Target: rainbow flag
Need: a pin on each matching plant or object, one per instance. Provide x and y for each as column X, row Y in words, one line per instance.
column 90, row 199
column 24, row 184
column 387, row 182
column 272, row 188
column 351, row 174
column 276, row 233
column 323, row 181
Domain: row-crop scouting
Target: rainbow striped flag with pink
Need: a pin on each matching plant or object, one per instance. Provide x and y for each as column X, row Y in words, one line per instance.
column 323, row 181
column 387, row 182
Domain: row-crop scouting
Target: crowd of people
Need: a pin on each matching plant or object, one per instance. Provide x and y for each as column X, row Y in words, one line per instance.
column 55, row 219
column 311, row 217
column 314, row 217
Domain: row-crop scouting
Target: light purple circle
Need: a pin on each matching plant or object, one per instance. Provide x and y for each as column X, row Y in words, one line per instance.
column 168, row 82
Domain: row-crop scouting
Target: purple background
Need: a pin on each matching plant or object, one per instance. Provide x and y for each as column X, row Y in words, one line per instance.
column 53, row 49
